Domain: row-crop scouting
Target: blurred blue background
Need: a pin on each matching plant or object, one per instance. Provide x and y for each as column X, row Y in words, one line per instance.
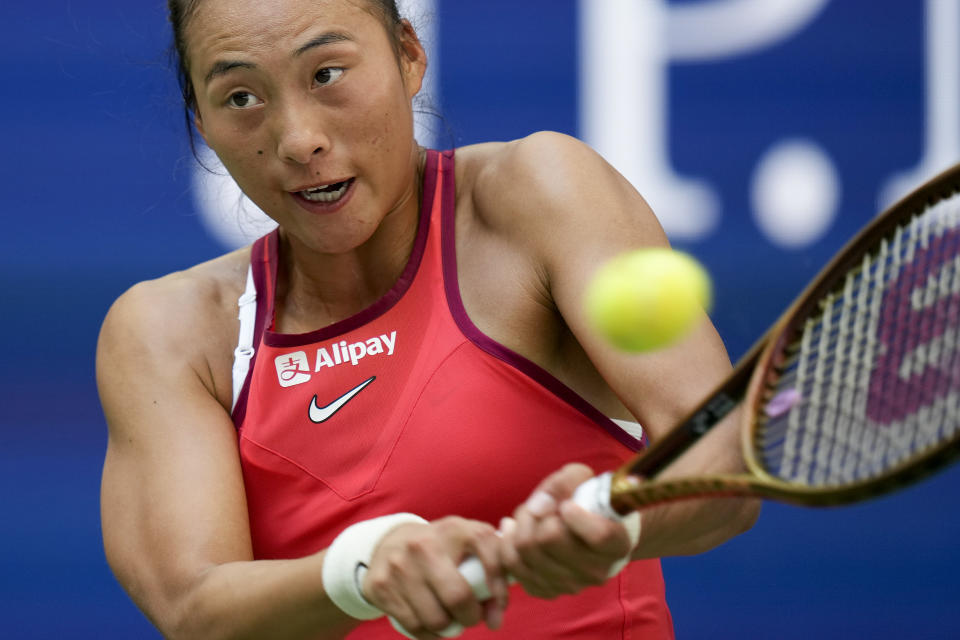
column 99, row 192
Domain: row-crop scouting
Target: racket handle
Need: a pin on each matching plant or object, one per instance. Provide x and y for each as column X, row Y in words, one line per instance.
column 472, row 571
column 593, row 495
column 453, row 630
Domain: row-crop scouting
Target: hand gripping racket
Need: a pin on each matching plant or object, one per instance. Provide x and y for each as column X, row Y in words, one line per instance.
column 854, row 391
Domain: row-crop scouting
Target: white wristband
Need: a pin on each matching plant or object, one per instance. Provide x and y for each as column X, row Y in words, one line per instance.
column 352, row 551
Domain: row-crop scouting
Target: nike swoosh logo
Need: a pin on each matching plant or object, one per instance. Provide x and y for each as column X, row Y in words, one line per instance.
column 322, row 414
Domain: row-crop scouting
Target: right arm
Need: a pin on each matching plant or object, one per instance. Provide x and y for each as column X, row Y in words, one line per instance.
column 173, row 507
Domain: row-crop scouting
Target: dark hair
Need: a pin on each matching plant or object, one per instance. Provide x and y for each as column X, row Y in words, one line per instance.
column 180, row 13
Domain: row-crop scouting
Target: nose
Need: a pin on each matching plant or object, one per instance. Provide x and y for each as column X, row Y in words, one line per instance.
column 301, row 133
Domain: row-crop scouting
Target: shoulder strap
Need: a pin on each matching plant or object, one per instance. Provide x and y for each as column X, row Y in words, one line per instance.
column 242, row 355
column 255, row 312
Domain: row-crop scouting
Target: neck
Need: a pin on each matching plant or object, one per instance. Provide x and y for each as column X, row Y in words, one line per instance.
column 317, row 289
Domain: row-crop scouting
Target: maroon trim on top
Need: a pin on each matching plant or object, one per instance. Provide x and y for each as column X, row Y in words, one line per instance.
column 451, row 285
column 390, row 298
column 259, row 263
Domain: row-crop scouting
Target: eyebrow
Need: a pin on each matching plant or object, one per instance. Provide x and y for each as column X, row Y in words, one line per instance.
column 330, row 37
column 223, row 67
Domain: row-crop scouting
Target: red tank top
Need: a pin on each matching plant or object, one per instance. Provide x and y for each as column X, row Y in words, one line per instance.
column 407, row 406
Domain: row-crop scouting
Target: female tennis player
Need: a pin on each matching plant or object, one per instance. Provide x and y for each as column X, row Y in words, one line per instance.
column 410, row 364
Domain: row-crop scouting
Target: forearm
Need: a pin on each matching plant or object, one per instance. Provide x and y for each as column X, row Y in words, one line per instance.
column 693, row 526
column 277, row 599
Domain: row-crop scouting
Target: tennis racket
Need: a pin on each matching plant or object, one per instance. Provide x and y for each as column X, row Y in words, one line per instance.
column 855, row 391
column 852, row 393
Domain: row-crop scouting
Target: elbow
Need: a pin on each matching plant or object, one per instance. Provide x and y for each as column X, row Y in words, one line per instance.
column 188, row 625
column 748, row 515
column 192, row 618
column 184, row 613
column 180, row 625
column 738, row 517
column 178, row 621
column 743, row 514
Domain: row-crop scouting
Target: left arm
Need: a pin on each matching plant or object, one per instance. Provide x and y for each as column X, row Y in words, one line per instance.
column 572, row 211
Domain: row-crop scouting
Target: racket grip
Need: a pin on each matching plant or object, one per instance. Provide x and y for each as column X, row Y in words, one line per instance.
column 472, row 571
column 593, row 495
column 453, row 630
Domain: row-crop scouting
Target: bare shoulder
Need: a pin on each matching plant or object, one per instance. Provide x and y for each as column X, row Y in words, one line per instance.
column 186, row 319
column 540, row 166
column 182, row 303
column 550, row 181
column 499, row 160
column 535, row 217
column 172, row 502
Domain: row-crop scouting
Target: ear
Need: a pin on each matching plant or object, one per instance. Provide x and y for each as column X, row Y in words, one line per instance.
column 198, row 124
column 413, row 58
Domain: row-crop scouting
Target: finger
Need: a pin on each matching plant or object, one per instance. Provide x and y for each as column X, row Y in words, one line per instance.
column 482, row 542
column 426, row 635
column 456, row 599
column 540, row 558
column 405, row 616
column 414, row 576
column 493, row 614
column 524, row 538
column 447, row 588
column 487, row 550
column 586, row 544
column 544, row 540
column 561, row 484
column 558, row 559
column 456, row 604
column 508, row 552
column 540, row 504
column 570, row 564
column 514, row 563
column 597, row 533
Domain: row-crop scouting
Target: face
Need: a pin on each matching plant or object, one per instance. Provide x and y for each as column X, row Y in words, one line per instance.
column 308, row 105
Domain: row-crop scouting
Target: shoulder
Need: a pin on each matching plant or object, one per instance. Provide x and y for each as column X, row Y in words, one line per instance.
column 550, row 186
column 542, row 166
column 186, row 319
column 201, row 294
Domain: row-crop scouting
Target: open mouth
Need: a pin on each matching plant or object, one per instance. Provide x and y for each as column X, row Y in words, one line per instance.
column 326, row 193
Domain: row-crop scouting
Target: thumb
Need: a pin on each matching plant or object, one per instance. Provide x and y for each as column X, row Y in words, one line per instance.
column 556, row 488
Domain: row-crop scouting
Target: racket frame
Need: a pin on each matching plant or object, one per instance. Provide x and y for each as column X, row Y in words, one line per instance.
column 634, row 484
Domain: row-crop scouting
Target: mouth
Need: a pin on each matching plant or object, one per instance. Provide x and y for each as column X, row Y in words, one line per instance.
column 326, row 193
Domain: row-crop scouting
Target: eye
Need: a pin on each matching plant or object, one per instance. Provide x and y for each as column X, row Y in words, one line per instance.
column 328, row 75
column 243, row 100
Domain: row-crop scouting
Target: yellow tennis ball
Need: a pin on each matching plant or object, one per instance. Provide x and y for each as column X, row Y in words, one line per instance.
column 647, row 299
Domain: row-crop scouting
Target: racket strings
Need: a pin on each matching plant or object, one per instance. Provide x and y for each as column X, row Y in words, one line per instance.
column 873, row 377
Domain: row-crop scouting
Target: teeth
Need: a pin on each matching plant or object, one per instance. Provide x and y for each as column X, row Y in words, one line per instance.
column 326, row 193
